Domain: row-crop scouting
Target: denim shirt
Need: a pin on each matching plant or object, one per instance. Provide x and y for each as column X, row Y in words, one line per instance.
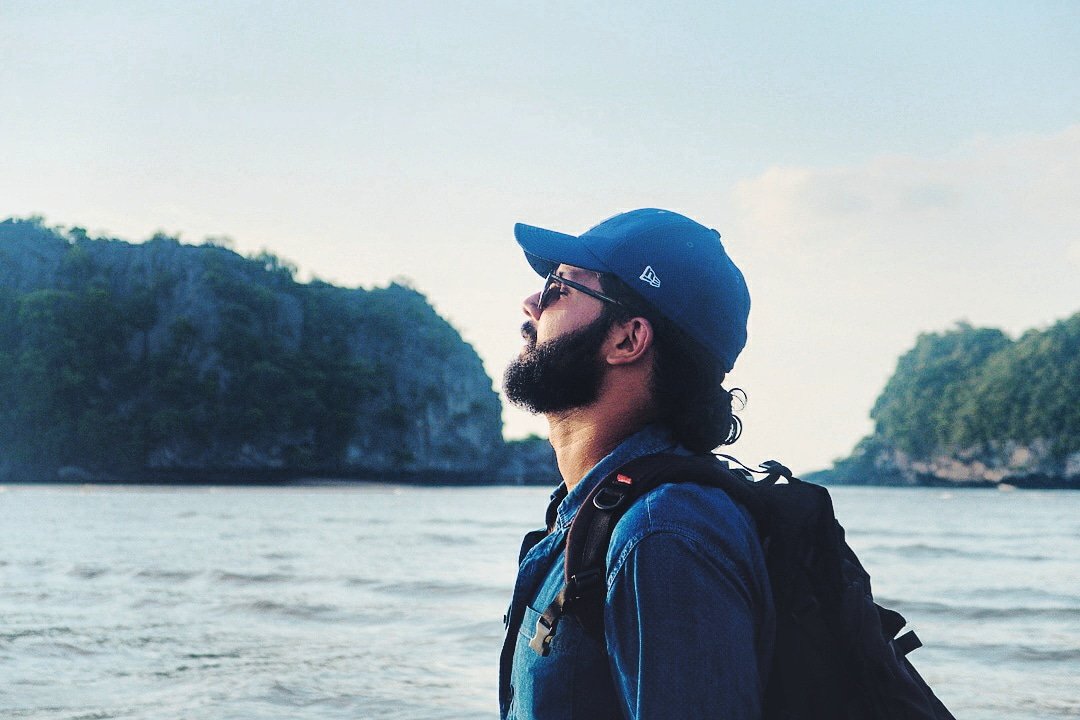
column 688, row 615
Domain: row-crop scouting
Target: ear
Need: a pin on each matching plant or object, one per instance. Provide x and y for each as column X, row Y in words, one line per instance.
column 628, row 342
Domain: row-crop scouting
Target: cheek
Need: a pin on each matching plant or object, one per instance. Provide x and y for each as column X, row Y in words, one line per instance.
column 550, row 325
column 559, row 321
column 547, row 330
column 542, row 333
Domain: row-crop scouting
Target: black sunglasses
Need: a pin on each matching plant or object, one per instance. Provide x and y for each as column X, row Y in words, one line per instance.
column 554, row 280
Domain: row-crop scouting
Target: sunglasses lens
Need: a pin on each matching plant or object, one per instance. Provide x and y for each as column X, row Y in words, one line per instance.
column 545, row 294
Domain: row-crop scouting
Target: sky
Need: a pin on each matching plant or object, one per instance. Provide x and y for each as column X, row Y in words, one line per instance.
column 878, row 170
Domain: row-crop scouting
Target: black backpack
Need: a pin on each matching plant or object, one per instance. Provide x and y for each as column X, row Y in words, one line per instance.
column 837, row 654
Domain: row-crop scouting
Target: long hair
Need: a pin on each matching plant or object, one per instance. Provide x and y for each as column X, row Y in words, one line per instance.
column 687, row 380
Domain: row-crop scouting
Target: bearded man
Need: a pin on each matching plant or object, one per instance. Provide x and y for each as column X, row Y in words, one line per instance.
column 627, row 347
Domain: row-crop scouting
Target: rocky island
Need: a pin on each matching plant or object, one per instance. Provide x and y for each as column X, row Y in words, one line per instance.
column 972, row 407
column 162, row 361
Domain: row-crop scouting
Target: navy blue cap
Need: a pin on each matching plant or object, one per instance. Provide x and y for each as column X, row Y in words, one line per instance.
column 677, row 265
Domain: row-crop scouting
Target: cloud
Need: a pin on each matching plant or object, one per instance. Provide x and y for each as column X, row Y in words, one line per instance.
column 996, row 213
column 848, row 264
column 1074, row 252
column 998, row 192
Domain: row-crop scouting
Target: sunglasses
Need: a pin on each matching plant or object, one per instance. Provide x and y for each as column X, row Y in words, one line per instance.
column 554, row 281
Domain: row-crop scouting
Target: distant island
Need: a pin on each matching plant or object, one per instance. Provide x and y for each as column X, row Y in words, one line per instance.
column 162, row 361
column 972, row 408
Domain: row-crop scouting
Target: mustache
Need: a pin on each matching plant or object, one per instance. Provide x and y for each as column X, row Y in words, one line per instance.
column 528, row 331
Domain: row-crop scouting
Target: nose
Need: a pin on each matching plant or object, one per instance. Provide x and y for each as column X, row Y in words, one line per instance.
column 530, row 307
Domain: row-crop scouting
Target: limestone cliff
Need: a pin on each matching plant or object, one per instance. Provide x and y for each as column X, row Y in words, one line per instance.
column 973, row 407
column 125, row 361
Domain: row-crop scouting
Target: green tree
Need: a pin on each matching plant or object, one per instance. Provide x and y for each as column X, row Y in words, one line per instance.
column 919, row 407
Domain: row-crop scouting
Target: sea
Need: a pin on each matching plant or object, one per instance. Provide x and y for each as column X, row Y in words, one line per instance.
column 385, row 601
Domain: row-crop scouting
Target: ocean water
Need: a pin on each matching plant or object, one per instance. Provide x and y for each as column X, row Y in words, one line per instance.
column 383, row 601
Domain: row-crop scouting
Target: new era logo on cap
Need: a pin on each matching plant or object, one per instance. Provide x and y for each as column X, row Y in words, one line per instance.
column 649, row 275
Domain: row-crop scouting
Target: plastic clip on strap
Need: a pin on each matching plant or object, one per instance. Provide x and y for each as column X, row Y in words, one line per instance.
column 776, row 471
column 907, row 642
column 546, row 624
column 545, row 631
column 576, row 588
column 771, row 469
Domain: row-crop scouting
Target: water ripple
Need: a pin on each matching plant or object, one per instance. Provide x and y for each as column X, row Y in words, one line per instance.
column 176, row 576
column 938, row 552
column 88, row 572
column 298, row 610
column 237, row 578
column 974, row 612
column 434, row 588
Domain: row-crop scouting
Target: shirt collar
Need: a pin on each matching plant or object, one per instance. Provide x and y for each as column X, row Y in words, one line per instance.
column 649, row 440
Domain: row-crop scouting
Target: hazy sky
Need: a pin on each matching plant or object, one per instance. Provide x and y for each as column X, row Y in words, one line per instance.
column 877, row 169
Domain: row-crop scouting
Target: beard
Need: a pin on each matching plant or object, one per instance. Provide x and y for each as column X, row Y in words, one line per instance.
column 560, row 374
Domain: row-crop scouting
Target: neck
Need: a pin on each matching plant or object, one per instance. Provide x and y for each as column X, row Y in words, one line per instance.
column 583, row 436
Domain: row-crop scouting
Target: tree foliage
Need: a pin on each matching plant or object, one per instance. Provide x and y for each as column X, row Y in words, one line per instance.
column 972, row 387
column 109, row 353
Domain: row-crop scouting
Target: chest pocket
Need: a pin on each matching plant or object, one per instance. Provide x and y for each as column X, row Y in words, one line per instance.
column 573, row 680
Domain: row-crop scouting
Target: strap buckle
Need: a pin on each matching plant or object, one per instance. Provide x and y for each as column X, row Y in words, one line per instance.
column 581, row 583
column 608, row 497
column 541, row 639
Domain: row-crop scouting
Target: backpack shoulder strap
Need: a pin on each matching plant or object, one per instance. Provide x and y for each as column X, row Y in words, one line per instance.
column 590, row 532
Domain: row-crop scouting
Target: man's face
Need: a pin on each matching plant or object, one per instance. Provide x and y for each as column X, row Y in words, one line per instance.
column 560, row 368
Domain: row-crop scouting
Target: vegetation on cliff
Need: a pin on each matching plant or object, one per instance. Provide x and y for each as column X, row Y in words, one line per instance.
column 970, row 404
column 119, row 359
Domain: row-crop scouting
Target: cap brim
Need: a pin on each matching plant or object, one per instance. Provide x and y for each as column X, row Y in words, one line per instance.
column 546, row 250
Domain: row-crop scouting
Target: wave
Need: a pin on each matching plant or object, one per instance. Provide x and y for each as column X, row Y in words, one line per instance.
column 56, row 648
column 236, row 578
column 969, row 612
column 443, row 539
column 1032, row 594
column 431, row 587
column 88, row 572
column 999, row 652
column 935, row 552
column 298, row 610
column 177, row 576
column 475, row 523
column 49, row 632
column 232, row 654
column 886, row 531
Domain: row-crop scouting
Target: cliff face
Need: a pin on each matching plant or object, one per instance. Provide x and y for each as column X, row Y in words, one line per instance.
column 118, row 360
column 972, row 407
column 1010, row 462
column 1035, row 464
